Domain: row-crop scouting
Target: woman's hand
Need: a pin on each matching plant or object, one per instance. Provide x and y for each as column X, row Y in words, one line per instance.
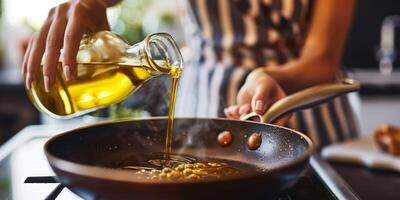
column 258, row 93
column 63, row 28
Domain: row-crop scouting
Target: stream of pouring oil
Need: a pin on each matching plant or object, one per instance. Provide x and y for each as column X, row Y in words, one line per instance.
column 174, row 167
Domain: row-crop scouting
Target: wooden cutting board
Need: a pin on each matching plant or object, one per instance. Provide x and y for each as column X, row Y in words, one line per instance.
column 362, row 151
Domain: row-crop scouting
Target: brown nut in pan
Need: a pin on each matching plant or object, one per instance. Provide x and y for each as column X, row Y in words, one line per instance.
column 254, row 141
column 225, row 138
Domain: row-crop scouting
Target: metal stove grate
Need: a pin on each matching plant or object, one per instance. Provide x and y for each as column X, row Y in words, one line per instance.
column 47, row 179
column 308, row 187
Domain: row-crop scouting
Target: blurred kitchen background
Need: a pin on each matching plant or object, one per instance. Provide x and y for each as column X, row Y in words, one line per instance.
column 371, row 54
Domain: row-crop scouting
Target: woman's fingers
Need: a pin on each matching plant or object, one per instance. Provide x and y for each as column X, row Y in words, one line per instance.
column 72, row 38
column 244, row 96
column 26, row 56
column 227, row 114
column 258, row 93
column 244, row 109
column 232, row 112
column 260, row 99
column 235, row 111
column 54, row 44
column 65, row 24
column 36, row 52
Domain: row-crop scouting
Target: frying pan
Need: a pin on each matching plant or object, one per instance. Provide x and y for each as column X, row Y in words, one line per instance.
column 87, row 160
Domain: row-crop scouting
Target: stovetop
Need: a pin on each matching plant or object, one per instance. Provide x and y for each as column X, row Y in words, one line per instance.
column 22, row 160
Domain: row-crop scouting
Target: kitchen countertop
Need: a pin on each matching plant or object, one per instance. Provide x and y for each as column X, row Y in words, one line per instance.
column 370, row 184
column 373, row 83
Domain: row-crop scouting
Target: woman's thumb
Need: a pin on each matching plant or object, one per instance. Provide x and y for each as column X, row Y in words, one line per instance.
column 260, row 99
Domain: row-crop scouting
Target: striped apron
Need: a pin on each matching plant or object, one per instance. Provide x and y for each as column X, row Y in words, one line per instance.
column 226, row 39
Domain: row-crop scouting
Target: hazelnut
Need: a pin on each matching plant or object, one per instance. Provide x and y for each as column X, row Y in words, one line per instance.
column 225, row 138
column 254, row 141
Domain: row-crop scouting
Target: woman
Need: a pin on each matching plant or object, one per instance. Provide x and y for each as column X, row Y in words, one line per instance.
column 248, row 55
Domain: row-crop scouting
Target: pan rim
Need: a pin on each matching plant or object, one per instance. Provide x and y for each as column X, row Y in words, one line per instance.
column 120, row 175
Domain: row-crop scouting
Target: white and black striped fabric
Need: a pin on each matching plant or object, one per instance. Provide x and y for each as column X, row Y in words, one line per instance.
column 229, row 38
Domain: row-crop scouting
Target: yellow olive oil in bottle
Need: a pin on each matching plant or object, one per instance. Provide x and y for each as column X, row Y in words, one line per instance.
column 108, row 71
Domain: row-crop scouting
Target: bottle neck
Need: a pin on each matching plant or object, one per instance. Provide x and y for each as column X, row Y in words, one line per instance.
column 136, row 55
column 162, row 52
column 158, row 52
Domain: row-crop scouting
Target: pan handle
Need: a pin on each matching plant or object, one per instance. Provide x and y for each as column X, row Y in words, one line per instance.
column 304, row 99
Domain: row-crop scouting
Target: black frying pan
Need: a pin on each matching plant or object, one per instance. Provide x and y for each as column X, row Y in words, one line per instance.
column 87, row 160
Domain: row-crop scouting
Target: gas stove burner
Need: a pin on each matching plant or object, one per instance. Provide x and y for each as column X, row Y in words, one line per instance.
column 41, row 179
column 47, row 179
column 298, row 191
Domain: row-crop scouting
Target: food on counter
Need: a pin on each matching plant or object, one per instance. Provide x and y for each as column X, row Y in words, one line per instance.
column 388, row 139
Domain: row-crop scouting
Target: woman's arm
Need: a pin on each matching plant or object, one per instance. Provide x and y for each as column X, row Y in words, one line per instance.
column 318, row 62
column 322, row 51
